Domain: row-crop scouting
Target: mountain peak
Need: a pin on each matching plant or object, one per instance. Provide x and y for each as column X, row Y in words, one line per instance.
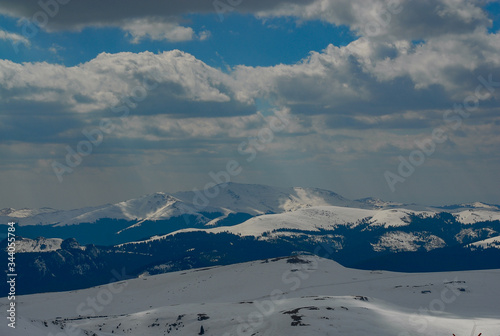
column 6, row 211
column 259, row 199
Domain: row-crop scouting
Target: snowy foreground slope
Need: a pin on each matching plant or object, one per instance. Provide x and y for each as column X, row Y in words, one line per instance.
column 301, row 295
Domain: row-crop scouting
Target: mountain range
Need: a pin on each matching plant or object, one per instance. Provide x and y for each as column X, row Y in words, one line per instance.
column 157, row 233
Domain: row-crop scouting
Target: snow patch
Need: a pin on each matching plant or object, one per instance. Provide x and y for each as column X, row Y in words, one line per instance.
column 26, row 245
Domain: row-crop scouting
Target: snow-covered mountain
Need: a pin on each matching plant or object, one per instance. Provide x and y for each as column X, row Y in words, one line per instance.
column 161, row 206
column 231, row 198
column 162, row 233
column 160, row 213
column 475, row 216
column 157, row 206
column 473, row 205
column 391, row 239
column 328, row 218
column 311, row 219
column 378, row 203
column 42, row 216
column 260, row 199
column 262, row 212
column 301, row 295
column 250, row 199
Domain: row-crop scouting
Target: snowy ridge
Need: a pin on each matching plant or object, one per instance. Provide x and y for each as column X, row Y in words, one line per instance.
column 42, row 216
column 233, row 198
column 330, row 217
column 41, row 244
column 480, row 205
column 152, row 207
column 302, row 295
column 487, row 243
column 378, row 203
column 474, row 216
column 23, row 213
column 474, row 205
column 260, row 199
column 309, row 219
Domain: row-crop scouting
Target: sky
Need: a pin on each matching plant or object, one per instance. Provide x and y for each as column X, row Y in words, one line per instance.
column 103, row 101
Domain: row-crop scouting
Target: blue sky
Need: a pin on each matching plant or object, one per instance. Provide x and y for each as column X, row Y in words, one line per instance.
column 362, row 85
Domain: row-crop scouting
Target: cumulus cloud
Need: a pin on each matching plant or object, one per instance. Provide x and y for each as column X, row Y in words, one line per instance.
column 375, row 77
column 353, row 109
column 157, row 30
column 364, row 78
column 353, row 100
column 397, row 19
column 172, row 78
column 452, row 61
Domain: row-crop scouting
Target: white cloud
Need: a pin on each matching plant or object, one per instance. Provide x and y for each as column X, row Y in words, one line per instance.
column 391, row 18
column 355, row 108
column 157, row 30
column 204, row 35
column 452, row 61
column 394, row 19
column 367, row 74
column 15, row 38
column 147, row 18
column 102, row 82
column 366, row 77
